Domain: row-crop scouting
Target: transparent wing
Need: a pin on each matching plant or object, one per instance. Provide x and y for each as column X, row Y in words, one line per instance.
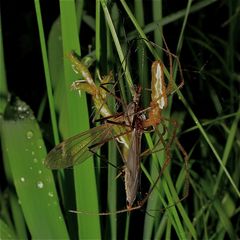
column 132, row 168
column 78, row 148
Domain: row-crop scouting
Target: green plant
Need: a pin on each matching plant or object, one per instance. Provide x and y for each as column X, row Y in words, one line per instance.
column 206, row 109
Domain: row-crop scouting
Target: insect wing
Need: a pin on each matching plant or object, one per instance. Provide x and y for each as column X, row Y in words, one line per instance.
column 78, row 148
column 132, row 169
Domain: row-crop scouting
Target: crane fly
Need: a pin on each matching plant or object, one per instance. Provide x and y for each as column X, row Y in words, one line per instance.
column 78, row 148
column 127, row 128
column 132, row 160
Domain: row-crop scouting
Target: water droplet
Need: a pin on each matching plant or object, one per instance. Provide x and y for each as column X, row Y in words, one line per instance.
column 40, row 184
column 21, row 116
column 22, row 179
column 23, row 107
column 26, row 149
column 40, row 143
column 35, row 160
column 39, row 171
column 33, row 153
column 30, row 168
column 60, row 217
column 50, row 194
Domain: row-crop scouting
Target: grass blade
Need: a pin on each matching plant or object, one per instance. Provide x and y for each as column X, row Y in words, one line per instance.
column 77, row 120
column 24, row 151
column 5, row 231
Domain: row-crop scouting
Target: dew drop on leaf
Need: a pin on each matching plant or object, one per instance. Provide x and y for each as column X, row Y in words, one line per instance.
column 21, row 116
column 50, row 194
column 40, row 143
column 40, row 184
column 22, row 179
column 29, row 134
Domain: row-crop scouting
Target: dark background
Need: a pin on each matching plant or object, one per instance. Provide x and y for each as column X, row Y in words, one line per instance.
column 22, row 48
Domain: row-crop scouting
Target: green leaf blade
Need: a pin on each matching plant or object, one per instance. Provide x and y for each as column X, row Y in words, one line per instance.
column 23, row 149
